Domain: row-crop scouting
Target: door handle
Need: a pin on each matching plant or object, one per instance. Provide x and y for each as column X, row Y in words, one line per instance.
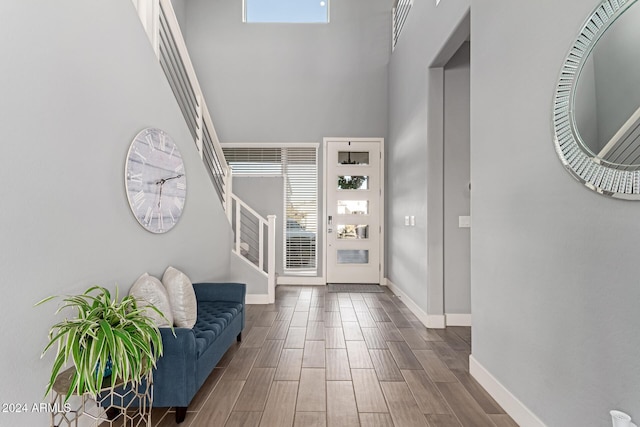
column 330, row 220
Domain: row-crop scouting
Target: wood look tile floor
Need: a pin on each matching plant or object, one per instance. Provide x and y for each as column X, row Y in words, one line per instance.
column 341, row 359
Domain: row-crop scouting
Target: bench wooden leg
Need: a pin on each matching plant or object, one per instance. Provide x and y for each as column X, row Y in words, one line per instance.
column 181, row 413
column 239, row 337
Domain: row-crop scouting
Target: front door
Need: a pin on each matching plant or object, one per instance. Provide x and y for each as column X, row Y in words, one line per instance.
column 353, row 188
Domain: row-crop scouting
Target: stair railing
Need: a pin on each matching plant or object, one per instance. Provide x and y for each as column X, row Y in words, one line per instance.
column 400, row 12
column 255, row 236
column 162, row 27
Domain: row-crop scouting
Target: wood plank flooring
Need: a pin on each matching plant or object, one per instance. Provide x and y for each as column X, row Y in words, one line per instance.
column 341, row 359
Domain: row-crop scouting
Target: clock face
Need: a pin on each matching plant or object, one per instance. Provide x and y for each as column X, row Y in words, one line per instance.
column 155, row 180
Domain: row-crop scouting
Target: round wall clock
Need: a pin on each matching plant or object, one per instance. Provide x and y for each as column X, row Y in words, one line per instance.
column 155, row 180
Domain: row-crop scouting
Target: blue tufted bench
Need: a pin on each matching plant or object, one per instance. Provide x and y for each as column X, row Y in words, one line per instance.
column 190, row 356
column 213, row 318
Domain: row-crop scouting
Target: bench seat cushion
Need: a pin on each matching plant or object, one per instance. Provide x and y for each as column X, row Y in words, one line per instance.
column 213, row 318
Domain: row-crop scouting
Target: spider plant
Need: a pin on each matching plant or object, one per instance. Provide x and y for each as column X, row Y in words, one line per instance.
column 104, row 330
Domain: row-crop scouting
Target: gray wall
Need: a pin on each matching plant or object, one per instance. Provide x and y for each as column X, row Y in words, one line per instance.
column 556, row 328
column 457, row 174
column 180, row 8
column 415, row 150
column 292, row 82
column 81, row 82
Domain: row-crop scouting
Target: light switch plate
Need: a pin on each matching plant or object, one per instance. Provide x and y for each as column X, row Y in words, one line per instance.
column 406, row 220
column 464, row 222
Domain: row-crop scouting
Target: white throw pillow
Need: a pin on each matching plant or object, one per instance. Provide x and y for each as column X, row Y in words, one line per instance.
column 149, row 290
column 182, row 298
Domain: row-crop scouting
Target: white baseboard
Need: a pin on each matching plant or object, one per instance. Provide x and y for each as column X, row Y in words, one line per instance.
column 455, row 319
column 301, row 281
column 516, row 409
column 435, row 321
column 256, row 299
column 429, row 320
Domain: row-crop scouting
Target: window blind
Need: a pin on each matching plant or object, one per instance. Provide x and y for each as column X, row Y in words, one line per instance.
column 301, row 208
column 299, row 167
column 254, row 161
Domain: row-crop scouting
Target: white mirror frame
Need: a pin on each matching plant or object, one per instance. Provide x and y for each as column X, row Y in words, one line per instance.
column 605, row 180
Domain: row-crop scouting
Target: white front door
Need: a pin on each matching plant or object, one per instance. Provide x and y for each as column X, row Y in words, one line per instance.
column 353, row 188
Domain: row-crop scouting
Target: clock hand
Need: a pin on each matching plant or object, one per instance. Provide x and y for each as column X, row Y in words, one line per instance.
column 160, row 196
column 163, row 180
column 174, row 177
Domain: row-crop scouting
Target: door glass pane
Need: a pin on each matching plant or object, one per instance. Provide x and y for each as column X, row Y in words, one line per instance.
column 353, row 207
column 353, row 231
column 353, row 256
column 353, row 157
column 353, row 182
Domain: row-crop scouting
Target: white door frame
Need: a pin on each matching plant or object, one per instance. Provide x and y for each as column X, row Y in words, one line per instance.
column 325, row 152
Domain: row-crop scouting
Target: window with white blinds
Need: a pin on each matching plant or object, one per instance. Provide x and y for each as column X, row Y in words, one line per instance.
column 299, row 167
column 249, row 161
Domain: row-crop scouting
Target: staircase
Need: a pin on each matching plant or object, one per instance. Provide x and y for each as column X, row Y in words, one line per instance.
column 254, row 236
column 399, row 12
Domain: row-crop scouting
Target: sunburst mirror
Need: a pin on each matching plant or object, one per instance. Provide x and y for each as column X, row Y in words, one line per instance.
column 596, row 113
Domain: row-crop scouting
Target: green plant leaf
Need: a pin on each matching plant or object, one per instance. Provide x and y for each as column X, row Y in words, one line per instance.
column 108, row 332
column 73, row 387
column 125, row 339
column 73, row 346
column 57, row 365
column 53, row 340
column 104, row 328
column 42, row 301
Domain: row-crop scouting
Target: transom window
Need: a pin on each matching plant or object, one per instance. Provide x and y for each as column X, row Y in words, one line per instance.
column 286, row 11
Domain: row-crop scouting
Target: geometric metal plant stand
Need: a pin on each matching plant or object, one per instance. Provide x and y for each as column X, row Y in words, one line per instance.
column 112, row 407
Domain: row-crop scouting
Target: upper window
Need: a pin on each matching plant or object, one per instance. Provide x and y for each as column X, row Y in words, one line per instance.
column 286, row 11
